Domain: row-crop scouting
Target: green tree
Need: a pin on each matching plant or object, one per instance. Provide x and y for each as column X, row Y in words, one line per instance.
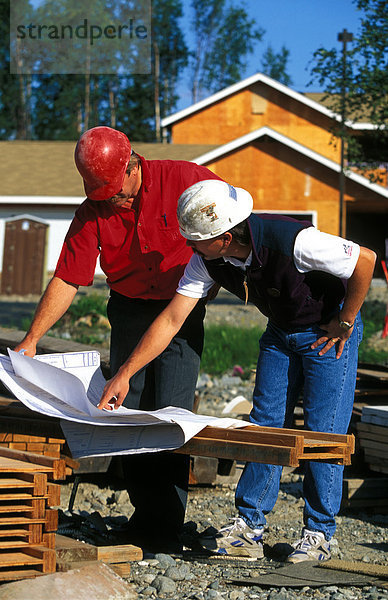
column 224, row 37
column 358, row 86
column 16, row 89
column 62, row 106
column 274, row 64
column 169, row 58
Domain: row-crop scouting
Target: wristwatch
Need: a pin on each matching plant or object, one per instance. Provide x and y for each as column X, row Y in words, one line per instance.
column 345, row 324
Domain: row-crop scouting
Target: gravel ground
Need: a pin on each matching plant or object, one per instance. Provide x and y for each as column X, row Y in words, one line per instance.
column 361, row 535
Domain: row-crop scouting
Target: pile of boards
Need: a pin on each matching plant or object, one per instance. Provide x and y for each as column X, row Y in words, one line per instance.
column 372, row 433
column 28, row 519
column 22, row 429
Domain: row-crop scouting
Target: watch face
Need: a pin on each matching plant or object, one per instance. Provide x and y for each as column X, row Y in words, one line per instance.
column 345, row 324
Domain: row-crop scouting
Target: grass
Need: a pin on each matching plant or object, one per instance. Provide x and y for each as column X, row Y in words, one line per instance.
column 225, row 345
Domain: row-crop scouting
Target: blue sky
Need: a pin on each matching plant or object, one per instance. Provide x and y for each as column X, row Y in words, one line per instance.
column 300, row 25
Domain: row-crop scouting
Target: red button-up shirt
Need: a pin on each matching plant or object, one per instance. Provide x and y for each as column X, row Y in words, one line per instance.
column 141, row 252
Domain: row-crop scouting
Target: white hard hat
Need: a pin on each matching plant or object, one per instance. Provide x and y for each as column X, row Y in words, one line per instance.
column 211, row 207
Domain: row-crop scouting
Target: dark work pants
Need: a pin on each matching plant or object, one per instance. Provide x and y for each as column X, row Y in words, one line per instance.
column 157, row 483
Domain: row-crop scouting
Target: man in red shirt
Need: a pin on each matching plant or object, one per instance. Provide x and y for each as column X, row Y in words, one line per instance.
column 129, row 221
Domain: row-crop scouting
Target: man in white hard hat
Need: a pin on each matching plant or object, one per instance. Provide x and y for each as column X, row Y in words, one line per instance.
column 129, row 222
column 311, row 286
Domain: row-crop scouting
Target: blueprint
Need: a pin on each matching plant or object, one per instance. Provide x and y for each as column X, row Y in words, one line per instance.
column 69, row 386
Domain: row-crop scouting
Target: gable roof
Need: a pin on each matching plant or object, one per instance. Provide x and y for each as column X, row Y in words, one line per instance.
column 267, row 131
column 245, row 83
column 46, row 168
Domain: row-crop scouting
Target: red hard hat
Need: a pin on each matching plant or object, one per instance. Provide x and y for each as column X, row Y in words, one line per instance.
column 102, row 155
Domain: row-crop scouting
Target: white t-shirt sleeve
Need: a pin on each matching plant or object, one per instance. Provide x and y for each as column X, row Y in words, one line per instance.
column 195, row 281
column 315, row 250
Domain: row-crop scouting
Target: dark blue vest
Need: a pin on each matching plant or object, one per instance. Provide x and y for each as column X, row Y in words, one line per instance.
column 290, row 299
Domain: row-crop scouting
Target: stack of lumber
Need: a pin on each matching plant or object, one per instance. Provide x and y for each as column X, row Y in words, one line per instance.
column 24, row 429
column 369, row 492
column 371, row 387
column 28, row 520
column 46, row 445
column 372, row 433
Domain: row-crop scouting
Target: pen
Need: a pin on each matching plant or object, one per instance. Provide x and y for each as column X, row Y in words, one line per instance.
column 165, row 219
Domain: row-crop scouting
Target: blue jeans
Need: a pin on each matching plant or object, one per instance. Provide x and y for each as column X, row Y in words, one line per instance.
column 286, row 365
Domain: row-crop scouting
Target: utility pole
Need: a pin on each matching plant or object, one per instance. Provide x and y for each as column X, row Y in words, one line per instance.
column 344, row 37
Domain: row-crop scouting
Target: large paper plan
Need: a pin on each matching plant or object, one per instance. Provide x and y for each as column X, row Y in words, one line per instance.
column 69, row 386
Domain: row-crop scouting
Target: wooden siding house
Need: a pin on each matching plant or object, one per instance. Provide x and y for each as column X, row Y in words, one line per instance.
column 278, row 144
column 40, row 186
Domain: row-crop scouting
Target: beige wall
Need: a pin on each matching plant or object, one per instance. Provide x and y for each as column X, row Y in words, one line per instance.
column 252, row 108
column 281, row 179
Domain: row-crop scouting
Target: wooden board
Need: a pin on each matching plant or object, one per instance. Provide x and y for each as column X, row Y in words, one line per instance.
column 270, row 445
column 37, row 462
column 372, row 492
column 36, row 482
column 119, row 554
column 71, row 553
column 377, row 415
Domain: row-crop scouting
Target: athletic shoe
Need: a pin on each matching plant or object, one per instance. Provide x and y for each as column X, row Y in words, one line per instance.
column 236, row 539
column 312, row 546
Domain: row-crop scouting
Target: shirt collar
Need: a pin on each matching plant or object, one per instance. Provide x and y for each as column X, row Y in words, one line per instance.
column 145, row 174
column 239, row 263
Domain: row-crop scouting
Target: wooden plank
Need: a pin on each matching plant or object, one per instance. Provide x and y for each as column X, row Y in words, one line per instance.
column 70, row 462
column 14, row 495
column 372, row 487
column 54, row 494
column 70, row 550
column 248, row 435
column 48, row 539
column 263, row 444
column 14, row 465
column 22, row 541
column 307, row 435
column 32, row 532
column 375, row 459
column 40, row 447
column 39, row 557
column 370, row 428
column 55, row 465
column 48, row 521
column 52, row 440
column 36, row 481
column 121, row 569
column 119, row 554
column 14, row 559
column 23, row 437
column 17, row 445
column 363, row 436
column 51, row 520
column 277, row 455
column 383, row 446
column 16, row 575
column 45, row 555
column 63, row 566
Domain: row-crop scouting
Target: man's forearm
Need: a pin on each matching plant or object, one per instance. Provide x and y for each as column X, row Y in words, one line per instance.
column 358, row 285
column 54, row 303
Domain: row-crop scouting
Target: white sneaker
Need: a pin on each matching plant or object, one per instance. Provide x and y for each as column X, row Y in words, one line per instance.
column 312, row 546
column 236, row 539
